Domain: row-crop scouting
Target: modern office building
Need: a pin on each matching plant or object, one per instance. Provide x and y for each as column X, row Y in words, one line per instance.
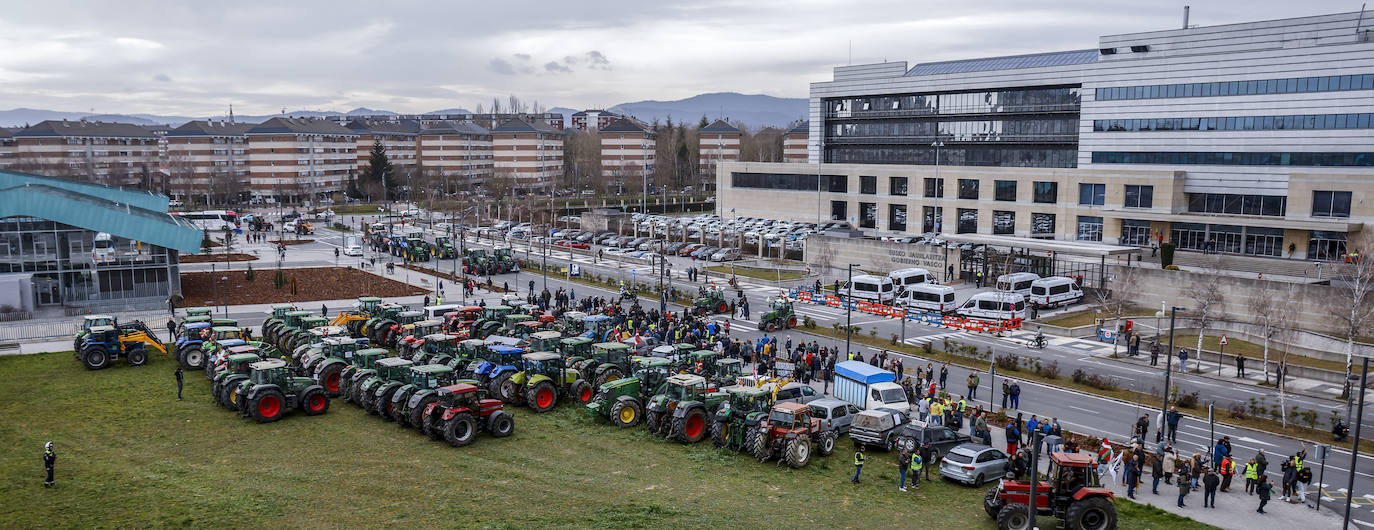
column 78, row 246
column 627, row 152
column 1253, row 138
column 114, row 154
column 208, row 159
column 298, row 159
column 458, row 153
column 531, row 153
column 794, row 143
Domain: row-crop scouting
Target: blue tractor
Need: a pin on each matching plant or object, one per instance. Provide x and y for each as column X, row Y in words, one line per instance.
column 496, row 367
column 595, row 327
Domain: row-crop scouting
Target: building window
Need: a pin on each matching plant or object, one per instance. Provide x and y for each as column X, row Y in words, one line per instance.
column 1239, row 123
column 1092, row 194
column 1330, row 204
column 839, row 184
column 896, row 217
column 1326, row 246
column 1042, row 225
column 1004, row 190
column 1263, row 242
column 868, row 185
column 897, row 185
column 1239, row 88
column 868, row 215
column 1266, row 205
column 932, row 219
column 1003, row 222
column 968, row 221
column 1046, row 192
column 968, row 188
column 1140, row 196
column 935, row 188
column 1089, row 228
column 1232, row 158
column 1135, row 232
column 839, row 210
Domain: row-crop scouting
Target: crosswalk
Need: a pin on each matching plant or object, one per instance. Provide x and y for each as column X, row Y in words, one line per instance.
column 937, row 338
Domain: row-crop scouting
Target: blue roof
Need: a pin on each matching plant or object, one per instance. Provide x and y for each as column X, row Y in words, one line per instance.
column 506, row 350
column 1009, row 62
column 719, row 126
column 137, row 198
column 99, row 214
column 864, row 373
column 596, row 318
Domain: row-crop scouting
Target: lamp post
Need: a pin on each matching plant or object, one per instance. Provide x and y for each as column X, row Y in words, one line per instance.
column 1168, row 368
column 848, row 312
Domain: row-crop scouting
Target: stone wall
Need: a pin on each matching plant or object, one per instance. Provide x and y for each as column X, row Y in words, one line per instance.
column 829, row 255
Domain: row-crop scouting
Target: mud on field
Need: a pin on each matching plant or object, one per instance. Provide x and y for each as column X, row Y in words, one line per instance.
column 301, row 285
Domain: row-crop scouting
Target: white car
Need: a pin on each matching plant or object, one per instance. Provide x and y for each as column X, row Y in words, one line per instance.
column 353, row 249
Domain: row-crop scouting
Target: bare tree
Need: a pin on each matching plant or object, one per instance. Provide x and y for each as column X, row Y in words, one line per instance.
column 1353, row 310
column 1116, row 301
column 1273, row 310
column 1208, row 297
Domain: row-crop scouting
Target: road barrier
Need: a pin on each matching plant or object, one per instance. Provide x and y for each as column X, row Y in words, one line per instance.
column 925, row 317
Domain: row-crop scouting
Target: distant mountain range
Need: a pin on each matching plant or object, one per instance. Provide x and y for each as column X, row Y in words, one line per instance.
column 755, row 110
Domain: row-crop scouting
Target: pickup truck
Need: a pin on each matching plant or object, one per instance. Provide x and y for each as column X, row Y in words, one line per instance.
column 877, row 428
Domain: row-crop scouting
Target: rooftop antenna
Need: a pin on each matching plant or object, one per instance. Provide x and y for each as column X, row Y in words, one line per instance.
column 231, row 113
column 1185, row 16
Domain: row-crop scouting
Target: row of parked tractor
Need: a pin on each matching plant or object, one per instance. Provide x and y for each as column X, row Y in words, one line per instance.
column 415, row 246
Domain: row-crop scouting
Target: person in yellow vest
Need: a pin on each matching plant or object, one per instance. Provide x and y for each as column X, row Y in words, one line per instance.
column 851, row 356
column 916, row 465
column 859, row 459
column 1251, row 476
column 963, row 405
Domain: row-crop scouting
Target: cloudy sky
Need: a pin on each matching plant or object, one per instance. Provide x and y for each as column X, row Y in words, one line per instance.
column 195, row 58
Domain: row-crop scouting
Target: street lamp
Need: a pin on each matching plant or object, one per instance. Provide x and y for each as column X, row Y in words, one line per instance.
column 848, row 312
column 1168, row 369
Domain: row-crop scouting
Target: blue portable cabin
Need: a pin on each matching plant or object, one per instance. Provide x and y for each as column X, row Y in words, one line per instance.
column 853, row 378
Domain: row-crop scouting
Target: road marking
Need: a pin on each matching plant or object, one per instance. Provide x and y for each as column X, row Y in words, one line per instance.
column 1083, row 409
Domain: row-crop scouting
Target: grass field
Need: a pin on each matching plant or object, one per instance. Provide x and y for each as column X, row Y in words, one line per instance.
column 1252, row 351
column 130, row 455
column 771, row 275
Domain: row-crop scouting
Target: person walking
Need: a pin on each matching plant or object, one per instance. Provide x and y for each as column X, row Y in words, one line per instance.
column 324, row 310
column 1172, row 420
column 1209, row 489
column 1154, row 352
column 171, row 331
column 858, row 462
column 904, row 461
column 49, row 460
column 1182, row 360
column 973, row 385
column 1134, row 467
column 917, row 463
column 1015, row 395
column 180, row 380
column 1264, row 489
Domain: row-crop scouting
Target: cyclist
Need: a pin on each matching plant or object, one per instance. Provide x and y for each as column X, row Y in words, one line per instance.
column 1039, row 337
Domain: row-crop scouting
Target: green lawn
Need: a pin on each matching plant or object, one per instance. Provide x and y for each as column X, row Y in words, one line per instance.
column 1086, row 317
column 130, row 455
column 762, row 274
column 1212, row 343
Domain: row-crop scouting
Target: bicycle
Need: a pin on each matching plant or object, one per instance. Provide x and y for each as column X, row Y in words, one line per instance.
column 1037, row 343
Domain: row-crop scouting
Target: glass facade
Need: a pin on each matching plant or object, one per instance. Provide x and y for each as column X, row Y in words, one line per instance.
column 1235, row 158
column 1042, row 225
column 1135, row 232
column 968, row 188
column 1139, row 196
column 868, row 215
column 897, row 185
column 1326, row 246
column 1239, row 123
column 1288, row 85
column 1330, row 204
column 1003, row 222
column 1092, row 194
column 968, row 221
column 1229, row 239
column 868, row 185
column 1089, row 228
column 934, row 188
column 1267, row 205
column 1030, row 127
column 1046, row 192
column 68, row 268
column 1004, row 190
column 896, row 217
column 932, row 219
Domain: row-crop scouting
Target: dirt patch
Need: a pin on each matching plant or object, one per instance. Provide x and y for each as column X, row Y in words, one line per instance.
column 323, row 283
column 290, row 241
column 211, row 258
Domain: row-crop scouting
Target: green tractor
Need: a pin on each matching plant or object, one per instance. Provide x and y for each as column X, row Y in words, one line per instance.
column 416, row 249
column 780, row 315
column 270, row 391
column 220, row 338
column 327, row 364
column 292, row 340
column 290, row 323
column 276, row 319
column 413, row 335
column 88, row 322
column 408, row 403
column 234, row 371
column 198, row 312
column 710, row 301
column 443, row 248
column 543, row 378
column 726, row 372
column 362, row 366
column 512, row 324
column 477, row 262
column 460, row 411
column 382, row 317
column 375, row 392
column 503, row 261
column 435, row 348
column 492, row 319
column 574, row 349
column 608, row 361
column 682, row 409
column 572, row 323
column 545, row 341
column 736, row 423
column 387, row 334
column 623, row 400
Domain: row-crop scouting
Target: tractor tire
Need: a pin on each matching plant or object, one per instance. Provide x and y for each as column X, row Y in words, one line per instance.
column 367, row 401
column 314, row 403
column 210, row 369
column 626, row 414
column 749, row 440
column 610, row 374
column 798, row 452
column 581, row 390
column 771, row 327
column 501, row 424
column 825, row 444
column 267, row 407
column 1014, row 516
column 137, row 357
column 385, row 406
column 182, row 351
column 541, row 397
column 400, row 416
column 417, row 415
column 431, row 428
column 722, row 308
column 460, row 430
column 95, row 357
column 654, row 421
column 720, row 436
column 232, row 400
column 500, row 385
column 331, row 378
column 760, row 448
column 691, row 427
column 193, row 359
column 1091, row 513
column 225, row 387
column 992, row 502
column 791, row 322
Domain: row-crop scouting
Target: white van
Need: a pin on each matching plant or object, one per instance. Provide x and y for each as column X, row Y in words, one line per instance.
column 995, row 306
column 1054, row 291
column 903, row 279
column 928, row 296
column 352, row 246
column 871, row 288
column 436, row 312
column 1017, row 282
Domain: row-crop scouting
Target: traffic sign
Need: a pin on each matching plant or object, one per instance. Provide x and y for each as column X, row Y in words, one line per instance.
column 1223, row 340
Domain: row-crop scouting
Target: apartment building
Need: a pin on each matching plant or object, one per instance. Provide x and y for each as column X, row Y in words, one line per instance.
column 718, row 143
column 398, row 137
column 459, row 153
column 6, row 147
column 207, row 161
column 115, row 154
column 298, row 159
column 531, row 153
column 794, row 143
column 627, row 151
column 486, row 120
column 593, row 119
column 1252, row 139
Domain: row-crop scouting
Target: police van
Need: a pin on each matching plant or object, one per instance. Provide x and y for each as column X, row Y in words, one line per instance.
column 1016, row 282
column 995, row 305
column 870, row 288
column 929, row 297
column 1054, row 291
column 904, row 279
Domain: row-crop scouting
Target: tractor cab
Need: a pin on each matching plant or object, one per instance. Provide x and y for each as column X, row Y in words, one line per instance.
column 197, row 312
column 472, row 348
column 219, row 333
column 573, row 322
column 702, row 362
column 727, row 371
column 790, row 418
column 497, row 312
column 1072, row 493
column 312, row 322
column 292, row 319
column 238, row 361
column 436, row 348
column 542, row 362
column 343, row 346
column 545, row 340
column 367, row 304
column 783, row 304
column 574, row 348
column 393, row 368
column 745, row 400
column 98, row 321
column 684, row 387
column 278, row 311
column 409, row 317
column 524, row 330
column 224, row 322
column 463, row 316
column 511, row 321
column 461, row 395
column 596, row 326
column 430, row 376
column 423, row 327
column 611, row 352
column 268, row 372
column 367, row 359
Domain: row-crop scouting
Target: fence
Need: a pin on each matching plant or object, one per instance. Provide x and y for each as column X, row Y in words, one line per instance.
column 49, row 329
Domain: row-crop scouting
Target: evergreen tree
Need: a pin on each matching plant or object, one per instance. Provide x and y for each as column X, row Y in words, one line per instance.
column 703, row 123
column 379, row 169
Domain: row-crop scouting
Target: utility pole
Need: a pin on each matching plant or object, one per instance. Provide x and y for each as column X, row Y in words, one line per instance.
column 848, row 310
column 1168, row 370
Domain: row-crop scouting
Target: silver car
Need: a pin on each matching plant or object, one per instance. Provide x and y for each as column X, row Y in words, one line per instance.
column 833, row 413
column 974, row 464
column 794, row 392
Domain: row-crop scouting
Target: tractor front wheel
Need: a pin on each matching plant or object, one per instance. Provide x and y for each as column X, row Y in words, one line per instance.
column 826, row 443
column 193, row 359
column 417, row 414
column 691, row 427
column 610, row 374
column 1092, row 513
column 771, row 327
column 314, row 403
column 503, row 389
column 386, row 408
column 331, row 377
column 460, row 430
column 626, row 414
column 267, row 407
column 96, row 357
column 722, row 308
column 798, row 452
column 1014, row 516
column 541, row 397
column 719, row 434
column 501, row 424
column 992, row 502
column 653, row 421
column 137, row 357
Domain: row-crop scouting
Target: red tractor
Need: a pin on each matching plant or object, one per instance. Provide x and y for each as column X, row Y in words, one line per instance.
column 460, row 322
column 1072, row 494
column 790, row 434
column 461, row 411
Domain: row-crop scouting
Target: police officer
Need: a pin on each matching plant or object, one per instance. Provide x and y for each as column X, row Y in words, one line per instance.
column 49, row 460
column 859, row 459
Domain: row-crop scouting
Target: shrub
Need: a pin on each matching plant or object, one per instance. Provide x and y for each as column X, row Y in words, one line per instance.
column 927, row 349
column 1007, row 362
column 1092, row 380
column 808, row 322
column 1049, row 371
column 279, row 279
column 248, row 274
column 1308, row 418
column 893, row 340
column 1188, row 400
column 1237, row 411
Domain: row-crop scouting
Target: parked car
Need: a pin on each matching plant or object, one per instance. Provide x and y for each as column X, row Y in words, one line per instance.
column 942, row 439
column 689, row 249
column 726, row 254
column 572, row 244
column 834, row 414
column 974, row 464
column 794, row 392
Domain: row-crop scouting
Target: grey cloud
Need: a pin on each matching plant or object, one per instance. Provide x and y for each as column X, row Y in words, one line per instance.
column 554, row 67
column 501, row 66
column 162, row 78
column 598, row 61
column 522, row 56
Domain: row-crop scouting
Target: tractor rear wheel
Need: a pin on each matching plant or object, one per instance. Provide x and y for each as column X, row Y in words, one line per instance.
column 137, row 357
column 95, row 357
column 314, row 403
column 826, row 443
column 386, row 408
column 501, row 424
column 691, row 427
column 267, row 406
column 417, row 414
column 541, row 397
column 431, row 427
column 581, row 390
column 626, row 414
column 749, row 436
column 331, row 378
column 500, row 385
column 719, row 434
column 798, row 452
column 193, row 358
column 760, row 448
column 366, row 400
column 610, row 374
column 771, row 327
column 460, row 430
column 232, row 399
column 1092, row 513
column 1014, row 516
column 992, row 501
